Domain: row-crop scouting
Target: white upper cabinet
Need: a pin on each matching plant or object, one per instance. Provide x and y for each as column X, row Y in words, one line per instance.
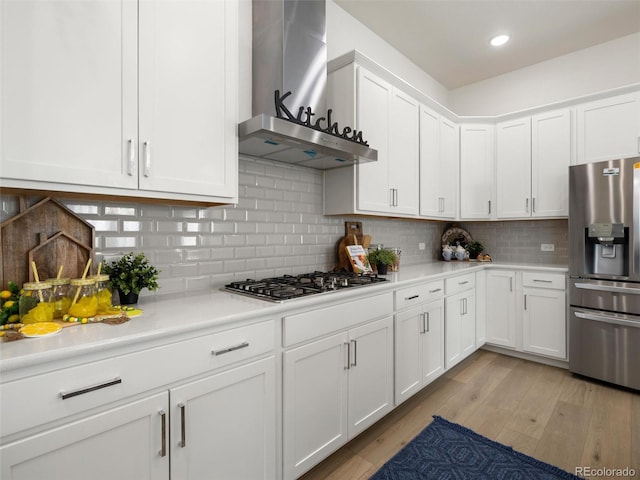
column 609, row 128
column 533, row 155
column 513, row 168
column 551, row 155
column 389, row 121
column 477, row 171
column 120, row 97
column 439, row 159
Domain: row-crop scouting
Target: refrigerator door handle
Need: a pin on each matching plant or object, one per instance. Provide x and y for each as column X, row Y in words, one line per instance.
column 608, row 288
column 607, row 319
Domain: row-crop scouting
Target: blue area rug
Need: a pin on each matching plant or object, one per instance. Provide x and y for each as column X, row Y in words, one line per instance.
column 446, row 450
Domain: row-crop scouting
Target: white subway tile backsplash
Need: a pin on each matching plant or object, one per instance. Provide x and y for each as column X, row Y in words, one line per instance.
column 278, row 228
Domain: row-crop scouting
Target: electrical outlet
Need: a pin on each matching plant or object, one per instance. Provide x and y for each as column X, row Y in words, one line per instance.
column 421, row 246
column 547, row 247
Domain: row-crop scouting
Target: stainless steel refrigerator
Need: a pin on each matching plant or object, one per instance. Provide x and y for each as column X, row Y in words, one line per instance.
column 604, row 271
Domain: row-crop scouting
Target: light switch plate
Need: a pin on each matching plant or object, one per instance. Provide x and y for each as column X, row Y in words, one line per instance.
column 547, row 247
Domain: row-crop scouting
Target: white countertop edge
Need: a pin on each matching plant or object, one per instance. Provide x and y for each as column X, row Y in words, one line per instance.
column 170, row 319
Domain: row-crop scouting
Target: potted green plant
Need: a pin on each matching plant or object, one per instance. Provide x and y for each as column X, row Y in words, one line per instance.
column 382, row 258
column 130, row 274
column 474, row 248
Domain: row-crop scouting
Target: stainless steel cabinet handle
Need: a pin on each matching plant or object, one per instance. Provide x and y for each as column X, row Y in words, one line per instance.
column 422, row 325
column 348, row 366
column 533, row 205
column 608, row 288
column 163, row 444
column 233, row 348
column 463, row 283
column 147, row 159
column 355, row 353
column 435, row 290
column 428, row 329
column 511, row 284
column 539, row 280
column 489, row 202
column 526, row 206
column 462, row 306
column 412, row 297
column 92, row 388
column 131, row 155
column 525, row 302
column 183, row 426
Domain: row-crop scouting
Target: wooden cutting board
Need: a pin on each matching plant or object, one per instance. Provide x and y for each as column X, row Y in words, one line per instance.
column 49, row 234
column 343, row 260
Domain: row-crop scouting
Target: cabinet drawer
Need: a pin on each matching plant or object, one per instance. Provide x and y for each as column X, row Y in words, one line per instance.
column 316, row 323
column 460, row 283
column 544, row 280
column 418, row 294
column 36, row 400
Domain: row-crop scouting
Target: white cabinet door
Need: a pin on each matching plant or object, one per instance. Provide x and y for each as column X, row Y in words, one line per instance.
column 127, row 442
column 315, row 382
column 432, row 336
column 408, row 353
column 373, row 110
column 438, row 165
column 404, row 154
column 608, row 128
column 468, row 324
column 69, row 92
column 460, row 327
column 223, row 426
column 544, row 322
column 370, row 374
column 513, row 168
column 477, row 171
column 419, row 352
column 551, row 155
column 501, row 308
column 188, row 96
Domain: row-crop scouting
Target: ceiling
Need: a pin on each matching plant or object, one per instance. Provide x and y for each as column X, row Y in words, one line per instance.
column 449, row 39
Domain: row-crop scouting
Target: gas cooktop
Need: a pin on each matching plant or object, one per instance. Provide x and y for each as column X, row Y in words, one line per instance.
column 287, row 287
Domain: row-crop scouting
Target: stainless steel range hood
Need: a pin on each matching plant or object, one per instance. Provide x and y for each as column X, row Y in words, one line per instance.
column 290, row 55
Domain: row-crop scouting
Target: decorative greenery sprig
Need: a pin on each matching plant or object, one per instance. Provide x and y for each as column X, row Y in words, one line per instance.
column 132, row 273
column 9, row 299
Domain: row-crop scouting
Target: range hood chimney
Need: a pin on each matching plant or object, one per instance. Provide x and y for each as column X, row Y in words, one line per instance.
column 290, row 55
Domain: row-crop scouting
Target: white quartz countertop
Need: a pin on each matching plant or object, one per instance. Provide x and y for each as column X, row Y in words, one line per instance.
column 171, row 318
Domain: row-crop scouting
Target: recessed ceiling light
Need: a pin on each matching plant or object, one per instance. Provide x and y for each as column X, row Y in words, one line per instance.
column 499, row 40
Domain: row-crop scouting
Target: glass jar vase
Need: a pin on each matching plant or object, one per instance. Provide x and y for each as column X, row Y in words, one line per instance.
column 84, row 303
column 104, row 293
column 35, row 303
column 60, row 296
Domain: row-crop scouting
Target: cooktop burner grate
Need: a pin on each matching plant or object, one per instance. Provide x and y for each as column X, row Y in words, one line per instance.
column 287, row 287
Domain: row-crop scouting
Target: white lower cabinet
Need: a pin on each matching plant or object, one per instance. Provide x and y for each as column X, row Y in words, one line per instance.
column 419, row 352
column 127, row 442
column 221, row 425
column 501, row 308
column 526, row 311
column 544, row 319
column 334, row 388
column 460, row 319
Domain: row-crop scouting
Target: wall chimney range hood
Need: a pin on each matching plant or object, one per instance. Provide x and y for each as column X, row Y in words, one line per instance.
column 291, row 122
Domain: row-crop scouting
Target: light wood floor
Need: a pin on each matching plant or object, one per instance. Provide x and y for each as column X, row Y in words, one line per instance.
column 542, row 411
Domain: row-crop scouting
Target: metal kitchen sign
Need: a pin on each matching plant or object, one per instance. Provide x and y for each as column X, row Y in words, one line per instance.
column 322, row 124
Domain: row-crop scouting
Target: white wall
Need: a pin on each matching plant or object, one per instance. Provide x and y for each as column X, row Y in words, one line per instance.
column 602, row 67
column 345, row 33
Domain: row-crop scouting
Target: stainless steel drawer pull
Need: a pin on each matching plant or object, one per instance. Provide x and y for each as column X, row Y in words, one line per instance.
column 608, row 288
column 412, row 297
column 348, row 345
column 92, row 388
column 542, row 281
column 163, row 445
column 230, row 349
column 435, row 290
column 463, row 283
column 608, row 319
column 183, row 427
